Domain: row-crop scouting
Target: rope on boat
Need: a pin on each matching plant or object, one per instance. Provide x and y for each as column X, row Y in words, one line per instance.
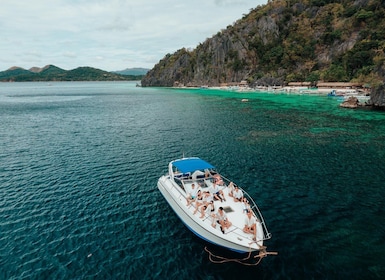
column 262, row 253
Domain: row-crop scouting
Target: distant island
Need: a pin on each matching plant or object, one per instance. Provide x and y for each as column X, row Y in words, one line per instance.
column 133, row 71
column 53, row 73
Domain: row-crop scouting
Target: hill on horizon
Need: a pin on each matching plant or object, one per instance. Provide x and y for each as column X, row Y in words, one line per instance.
column 133, row 71
column 54, row 73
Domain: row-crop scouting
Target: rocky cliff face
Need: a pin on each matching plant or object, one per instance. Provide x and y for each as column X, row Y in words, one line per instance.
column 377, row 97
column 283, row 41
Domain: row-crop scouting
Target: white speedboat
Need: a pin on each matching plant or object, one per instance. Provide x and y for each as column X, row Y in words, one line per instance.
column 176, row 186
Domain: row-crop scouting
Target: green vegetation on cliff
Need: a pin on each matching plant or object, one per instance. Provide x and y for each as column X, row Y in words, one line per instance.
column 53, row 73
column 284, row 41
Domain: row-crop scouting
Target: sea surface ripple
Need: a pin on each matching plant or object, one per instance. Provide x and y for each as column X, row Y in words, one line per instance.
column 79, row 163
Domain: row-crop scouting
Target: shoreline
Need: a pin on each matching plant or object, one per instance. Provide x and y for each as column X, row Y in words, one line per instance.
column 287, row 89
column 348, row 97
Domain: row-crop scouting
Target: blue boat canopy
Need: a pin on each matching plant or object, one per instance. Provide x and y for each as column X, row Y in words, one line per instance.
column 192, row 164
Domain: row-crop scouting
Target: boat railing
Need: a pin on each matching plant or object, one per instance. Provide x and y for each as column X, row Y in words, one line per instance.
column 183, row 181
column 253, row 207
column 256, row 210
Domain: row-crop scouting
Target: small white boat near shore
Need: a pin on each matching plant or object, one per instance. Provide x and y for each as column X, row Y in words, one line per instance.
column 176, row 186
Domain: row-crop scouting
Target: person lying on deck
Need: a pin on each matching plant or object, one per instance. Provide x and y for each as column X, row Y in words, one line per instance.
column 217, row 179
column 197, row 174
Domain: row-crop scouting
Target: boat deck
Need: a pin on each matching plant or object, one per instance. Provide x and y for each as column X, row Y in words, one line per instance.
column 235, row 211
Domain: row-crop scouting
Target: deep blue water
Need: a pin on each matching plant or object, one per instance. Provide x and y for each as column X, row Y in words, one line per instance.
column 79, row 163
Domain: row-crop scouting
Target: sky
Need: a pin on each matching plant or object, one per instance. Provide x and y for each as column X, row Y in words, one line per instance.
column 109, row 34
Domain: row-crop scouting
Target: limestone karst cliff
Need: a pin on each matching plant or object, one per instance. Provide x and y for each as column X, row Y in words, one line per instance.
column 284, row 41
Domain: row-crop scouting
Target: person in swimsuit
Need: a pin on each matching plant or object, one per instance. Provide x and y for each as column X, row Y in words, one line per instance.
column 216, row 192
column 231, row 188
column 245, row 205
column 223, row 220
column 192, row 195
column 217, row 179
column 207, row 207
column 206, row 198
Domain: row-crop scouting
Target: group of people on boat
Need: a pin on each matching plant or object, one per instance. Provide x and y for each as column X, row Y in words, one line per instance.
column 204, row 202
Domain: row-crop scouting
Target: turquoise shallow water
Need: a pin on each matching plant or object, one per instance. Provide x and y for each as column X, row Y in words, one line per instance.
column 79, row 164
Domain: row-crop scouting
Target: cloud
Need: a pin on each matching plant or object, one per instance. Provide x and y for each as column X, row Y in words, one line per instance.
column 230, row 2
column 33, row 53
column 109, row 35
column 69, row 54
